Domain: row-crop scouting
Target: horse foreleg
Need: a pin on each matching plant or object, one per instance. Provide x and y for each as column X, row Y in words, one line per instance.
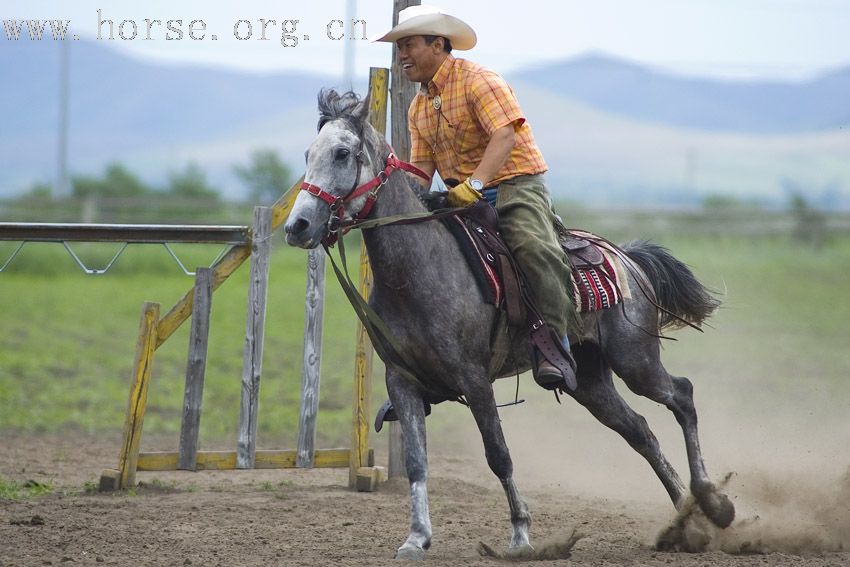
column 410, row 409
column 483, row 406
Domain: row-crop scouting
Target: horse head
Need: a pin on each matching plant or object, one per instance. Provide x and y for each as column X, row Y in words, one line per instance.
column 338, row 161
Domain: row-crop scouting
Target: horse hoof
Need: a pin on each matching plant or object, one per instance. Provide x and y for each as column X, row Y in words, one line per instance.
column 410, row 553
column 524, row 551
column 521, row 552
column 717, row 507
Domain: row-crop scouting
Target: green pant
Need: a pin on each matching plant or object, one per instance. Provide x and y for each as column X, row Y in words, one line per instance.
column 526, row 222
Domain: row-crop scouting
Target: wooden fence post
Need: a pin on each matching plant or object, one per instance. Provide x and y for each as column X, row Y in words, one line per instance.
column 195, row 369
column 142, row 363
column 401, row 94
column 312, row 362
column 253, row 357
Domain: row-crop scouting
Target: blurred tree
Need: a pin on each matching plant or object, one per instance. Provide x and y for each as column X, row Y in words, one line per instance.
column 266, row 176
column 810, row 224
column 117, row 181
column 39, row 190
column 720, row 202
column 192, row 183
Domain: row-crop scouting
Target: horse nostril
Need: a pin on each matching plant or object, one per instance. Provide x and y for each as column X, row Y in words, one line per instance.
column 300, row 225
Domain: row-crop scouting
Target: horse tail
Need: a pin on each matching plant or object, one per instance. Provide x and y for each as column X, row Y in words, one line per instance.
column 684, row 300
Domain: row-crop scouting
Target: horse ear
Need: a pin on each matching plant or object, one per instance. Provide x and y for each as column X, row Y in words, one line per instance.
column 361, row 111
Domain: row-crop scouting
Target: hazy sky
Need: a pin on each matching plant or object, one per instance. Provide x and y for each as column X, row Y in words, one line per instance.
column 738, row 38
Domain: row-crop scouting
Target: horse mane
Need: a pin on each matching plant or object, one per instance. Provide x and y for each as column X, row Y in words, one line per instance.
column 335, row 106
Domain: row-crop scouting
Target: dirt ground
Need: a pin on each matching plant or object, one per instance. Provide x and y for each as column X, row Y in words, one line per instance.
column 299, row 517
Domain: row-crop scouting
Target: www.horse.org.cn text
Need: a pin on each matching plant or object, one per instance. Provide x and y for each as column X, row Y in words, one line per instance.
column 289, row 32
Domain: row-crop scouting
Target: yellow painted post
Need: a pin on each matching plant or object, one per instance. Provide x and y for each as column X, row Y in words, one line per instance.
column 378, row 88
column 142, row 364
column 283, row 206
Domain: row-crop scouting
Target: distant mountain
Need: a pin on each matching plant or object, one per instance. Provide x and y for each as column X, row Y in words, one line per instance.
column 611, row 132
column 121, row 106
column 605, row 160
column 637, row 92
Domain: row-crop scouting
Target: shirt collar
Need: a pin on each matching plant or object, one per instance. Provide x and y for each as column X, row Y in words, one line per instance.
column 441, row 77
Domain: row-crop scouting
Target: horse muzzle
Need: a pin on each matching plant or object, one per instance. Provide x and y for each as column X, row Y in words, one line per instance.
column 302, row 232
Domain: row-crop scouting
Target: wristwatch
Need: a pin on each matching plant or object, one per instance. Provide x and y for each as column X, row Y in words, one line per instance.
column 476, row 184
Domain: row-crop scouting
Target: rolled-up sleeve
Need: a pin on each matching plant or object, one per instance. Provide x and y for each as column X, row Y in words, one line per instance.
column 493, row 102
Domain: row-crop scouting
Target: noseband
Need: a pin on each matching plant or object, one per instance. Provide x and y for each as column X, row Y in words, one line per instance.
column 372, row 187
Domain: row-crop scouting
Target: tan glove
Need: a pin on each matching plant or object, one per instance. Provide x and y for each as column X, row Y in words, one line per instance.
column 463, row 195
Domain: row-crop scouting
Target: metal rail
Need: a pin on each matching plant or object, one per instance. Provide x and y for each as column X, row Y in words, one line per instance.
column 130, row 233
column 163, row 234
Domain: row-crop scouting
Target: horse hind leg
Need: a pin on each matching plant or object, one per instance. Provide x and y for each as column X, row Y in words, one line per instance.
column 483, row 406
column 597, row 393
column 646, row 376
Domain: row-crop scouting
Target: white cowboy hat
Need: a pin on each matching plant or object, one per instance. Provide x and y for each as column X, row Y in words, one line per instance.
column 430, row 20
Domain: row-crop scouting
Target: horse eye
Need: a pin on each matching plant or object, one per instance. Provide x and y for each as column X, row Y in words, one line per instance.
column 342, row 153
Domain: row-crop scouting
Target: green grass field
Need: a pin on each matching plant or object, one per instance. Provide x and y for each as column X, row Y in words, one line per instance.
column 67, row 339
column 68, row 342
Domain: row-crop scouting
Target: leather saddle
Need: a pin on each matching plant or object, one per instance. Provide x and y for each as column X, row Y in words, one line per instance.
column 581, row 253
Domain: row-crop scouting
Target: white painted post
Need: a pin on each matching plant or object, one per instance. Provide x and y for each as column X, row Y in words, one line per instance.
column 312, row 362
column 195, row 369
column 253, row 356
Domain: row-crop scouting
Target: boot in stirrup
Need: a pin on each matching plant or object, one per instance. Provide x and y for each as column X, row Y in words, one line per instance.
column 550, row 377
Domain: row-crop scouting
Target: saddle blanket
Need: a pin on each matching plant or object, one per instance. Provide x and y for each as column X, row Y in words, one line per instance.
column 603, row 286
column 593, row 288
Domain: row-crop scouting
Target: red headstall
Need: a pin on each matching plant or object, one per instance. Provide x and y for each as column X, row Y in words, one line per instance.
column 337, row 203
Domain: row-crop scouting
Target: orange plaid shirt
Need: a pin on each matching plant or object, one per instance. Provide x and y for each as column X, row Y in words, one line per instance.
column 474, row 102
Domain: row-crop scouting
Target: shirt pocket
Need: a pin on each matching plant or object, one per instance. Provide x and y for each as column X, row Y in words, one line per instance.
column 461, row 129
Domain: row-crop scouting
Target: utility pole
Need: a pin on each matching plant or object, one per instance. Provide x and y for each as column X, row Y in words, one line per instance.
column 348, row 50
column 62, row 188
column 402, row 92
column 401, row 95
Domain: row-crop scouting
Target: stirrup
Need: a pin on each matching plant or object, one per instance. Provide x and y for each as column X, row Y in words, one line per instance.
column 550, row 377
column 387, row 413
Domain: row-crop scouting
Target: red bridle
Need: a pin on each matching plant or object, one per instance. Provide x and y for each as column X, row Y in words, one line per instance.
column 337, row 203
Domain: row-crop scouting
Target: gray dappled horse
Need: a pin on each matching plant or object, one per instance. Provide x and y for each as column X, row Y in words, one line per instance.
column 426, row 294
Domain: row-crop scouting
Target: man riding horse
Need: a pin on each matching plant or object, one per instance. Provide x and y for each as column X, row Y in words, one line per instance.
column 465, row 123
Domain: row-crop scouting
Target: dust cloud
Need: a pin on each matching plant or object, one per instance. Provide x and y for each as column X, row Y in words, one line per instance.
column 793, row 514
column 787, row 446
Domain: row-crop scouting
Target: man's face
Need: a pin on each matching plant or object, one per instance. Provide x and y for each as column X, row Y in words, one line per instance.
column 420, row 61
